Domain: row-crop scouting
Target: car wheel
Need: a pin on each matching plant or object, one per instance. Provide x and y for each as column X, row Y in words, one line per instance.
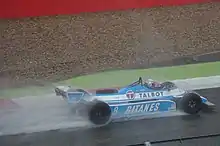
column 100, row 113
column 191, row 103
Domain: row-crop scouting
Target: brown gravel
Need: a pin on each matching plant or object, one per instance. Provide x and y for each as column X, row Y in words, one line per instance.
column 59, row 47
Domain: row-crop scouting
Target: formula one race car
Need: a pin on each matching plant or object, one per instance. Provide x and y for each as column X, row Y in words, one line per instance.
column 137, row 99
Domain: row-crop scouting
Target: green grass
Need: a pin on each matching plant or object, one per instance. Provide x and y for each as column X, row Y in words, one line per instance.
column 123, row 77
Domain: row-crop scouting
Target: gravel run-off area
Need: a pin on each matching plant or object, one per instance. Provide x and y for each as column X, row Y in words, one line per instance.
column 59, row 47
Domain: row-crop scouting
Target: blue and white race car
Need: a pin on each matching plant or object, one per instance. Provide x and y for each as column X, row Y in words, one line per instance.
column 137, row 99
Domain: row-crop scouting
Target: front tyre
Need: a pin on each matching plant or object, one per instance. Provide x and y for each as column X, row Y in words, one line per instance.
column 99, row 113
column 191, row 103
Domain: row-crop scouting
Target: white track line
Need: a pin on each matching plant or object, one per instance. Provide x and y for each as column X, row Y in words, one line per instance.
column 199, row 83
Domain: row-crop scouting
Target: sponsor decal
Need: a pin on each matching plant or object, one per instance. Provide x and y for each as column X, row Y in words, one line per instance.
column 151, row 94
column 141, row 108
column 130, row 94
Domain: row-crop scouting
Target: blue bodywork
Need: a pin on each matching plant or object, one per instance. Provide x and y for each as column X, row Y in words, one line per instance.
column 138, row 87
column 143, row 99
column 141, row 107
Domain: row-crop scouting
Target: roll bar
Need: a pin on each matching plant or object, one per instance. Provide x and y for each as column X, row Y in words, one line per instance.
column 140, row 81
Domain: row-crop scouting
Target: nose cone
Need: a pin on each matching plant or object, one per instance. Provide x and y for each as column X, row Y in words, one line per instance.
column 204, row 99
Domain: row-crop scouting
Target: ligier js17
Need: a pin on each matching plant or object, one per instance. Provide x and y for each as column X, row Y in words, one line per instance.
column 137, row 99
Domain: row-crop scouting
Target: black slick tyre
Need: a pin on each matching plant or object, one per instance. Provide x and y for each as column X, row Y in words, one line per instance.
column 99, row 113
column 191, row 103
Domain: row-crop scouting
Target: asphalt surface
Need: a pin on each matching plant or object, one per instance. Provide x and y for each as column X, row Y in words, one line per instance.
column 130, row 132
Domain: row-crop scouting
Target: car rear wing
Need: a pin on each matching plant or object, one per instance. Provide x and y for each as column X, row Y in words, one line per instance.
column 70, row 94
column 61, row 90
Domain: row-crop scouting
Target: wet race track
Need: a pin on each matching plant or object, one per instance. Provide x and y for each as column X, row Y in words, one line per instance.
column 120, row 133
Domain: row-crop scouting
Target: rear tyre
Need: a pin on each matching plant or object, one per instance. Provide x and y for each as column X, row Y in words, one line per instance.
column 100, row 113
column 191, row 103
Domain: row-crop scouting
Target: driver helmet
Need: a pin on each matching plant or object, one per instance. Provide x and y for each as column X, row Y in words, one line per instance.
column 153, row 83
column 150, row 82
